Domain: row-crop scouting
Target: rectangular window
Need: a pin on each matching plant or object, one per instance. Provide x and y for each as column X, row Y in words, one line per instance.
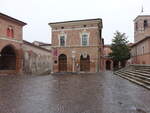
column 85, row 40
column 62, row 40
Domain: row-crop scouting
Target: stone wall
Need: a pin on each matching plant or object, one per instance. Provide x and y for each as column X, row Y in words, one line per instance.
column 36, row 60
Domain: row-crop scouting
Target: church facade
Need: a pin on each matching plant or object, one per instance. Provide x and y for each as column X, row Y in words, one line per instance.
column 77, row 46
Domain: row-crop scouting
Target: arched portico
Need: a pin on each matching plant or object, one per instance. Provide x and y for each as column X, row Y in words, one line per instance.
column 8, row 58
column 108, row 65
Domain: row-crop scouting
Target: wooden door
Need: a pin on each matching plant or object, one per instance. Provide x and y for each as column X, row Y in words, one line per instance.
column 62, row 63
column 85, row 63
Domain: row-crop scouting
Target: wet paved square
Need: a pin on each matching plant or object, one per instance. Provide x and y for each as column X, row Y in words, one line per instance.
column 86, row 93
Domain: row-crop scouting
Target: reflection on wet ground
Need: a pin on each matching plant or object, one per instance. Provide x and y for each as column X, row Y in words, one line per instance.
column 86, row 93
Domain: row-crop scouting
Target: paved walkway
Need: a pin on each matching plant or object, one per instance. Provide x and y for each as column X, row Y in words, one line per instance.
column 97, row 93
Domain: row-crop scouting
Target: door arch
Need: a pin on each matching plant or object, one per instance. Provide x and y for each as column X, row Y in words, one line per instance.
column 62, row 63
column 8, row 58
column 85, row 63
column 108, row 65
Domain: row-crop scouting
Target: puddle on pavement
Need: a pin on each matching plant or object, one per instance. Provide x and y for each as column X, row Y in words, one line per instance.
column 137, row 110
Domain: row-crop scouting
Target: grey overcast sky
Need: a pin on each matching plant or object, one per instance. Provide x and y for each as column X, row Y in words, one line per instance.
column 116, row 15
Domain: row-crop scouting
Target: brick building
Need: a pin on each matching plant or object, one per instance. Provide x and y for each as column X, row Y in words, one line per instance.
column 18, row 56
column 77, row 46
column 10, row 44
column 140, row 52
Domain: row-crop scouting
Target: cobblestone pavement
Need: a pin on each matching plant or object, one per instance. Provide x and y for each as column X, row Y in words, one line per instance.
column 95, row 93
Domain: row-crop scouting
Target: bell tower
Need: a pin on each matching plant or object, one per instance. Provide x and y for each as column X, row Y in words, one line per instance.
column 141, row 26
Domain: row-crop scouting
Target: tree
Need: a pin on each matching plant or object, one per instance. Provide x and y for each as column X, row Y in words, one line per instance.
column 120, row 50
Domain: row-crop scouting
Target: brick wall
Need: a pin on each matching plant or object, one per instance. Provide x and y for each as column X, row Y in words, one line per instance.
column 73, row 47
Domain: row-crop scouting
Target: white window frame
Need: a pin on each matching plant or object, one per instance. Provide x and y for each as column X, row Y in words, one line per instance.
column 88, row 35
column 65, row 35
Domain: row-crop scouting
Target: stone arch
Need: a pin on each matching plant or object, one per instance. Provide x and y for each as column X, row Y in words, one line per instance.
column 85, row 63
column 108, row 64
column 62, row 63
column 8, row 57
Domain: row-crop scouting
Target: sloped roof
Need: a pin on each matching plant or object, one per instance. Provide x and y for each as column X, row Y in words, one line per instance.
column 12, row 19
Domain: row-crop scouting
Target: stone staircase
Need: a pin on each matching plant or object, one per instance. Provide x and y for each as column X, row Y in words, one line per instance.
column 139, row 74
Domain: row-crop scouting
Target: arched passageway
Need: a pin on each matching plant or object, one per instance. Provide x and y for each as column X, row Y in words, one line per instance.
column 115, row 65
column 85, row 63
column 108, row 65
column 8, row 58
column 62, row 63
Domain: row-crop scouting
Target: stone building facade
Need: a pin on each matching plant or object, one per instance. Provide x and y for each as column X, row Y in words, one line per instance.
column 140, row 52
column 18, row 56
column 77, row 46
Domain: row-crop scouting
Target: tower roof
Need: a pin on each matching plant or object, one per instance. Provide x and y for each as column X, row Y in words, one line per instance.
column 143, row 14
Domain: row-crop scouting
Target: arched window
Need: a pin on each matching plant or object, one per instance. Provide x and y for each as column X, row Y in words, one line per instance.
column 10, row 32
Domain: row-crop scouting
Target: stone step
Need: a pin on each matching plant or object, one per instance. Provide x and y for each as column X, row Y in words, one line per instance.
column 146, row 79
column 143, row 71
column 142, row 66
column 143, row 79
column 134, row 81
column 139, row 73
